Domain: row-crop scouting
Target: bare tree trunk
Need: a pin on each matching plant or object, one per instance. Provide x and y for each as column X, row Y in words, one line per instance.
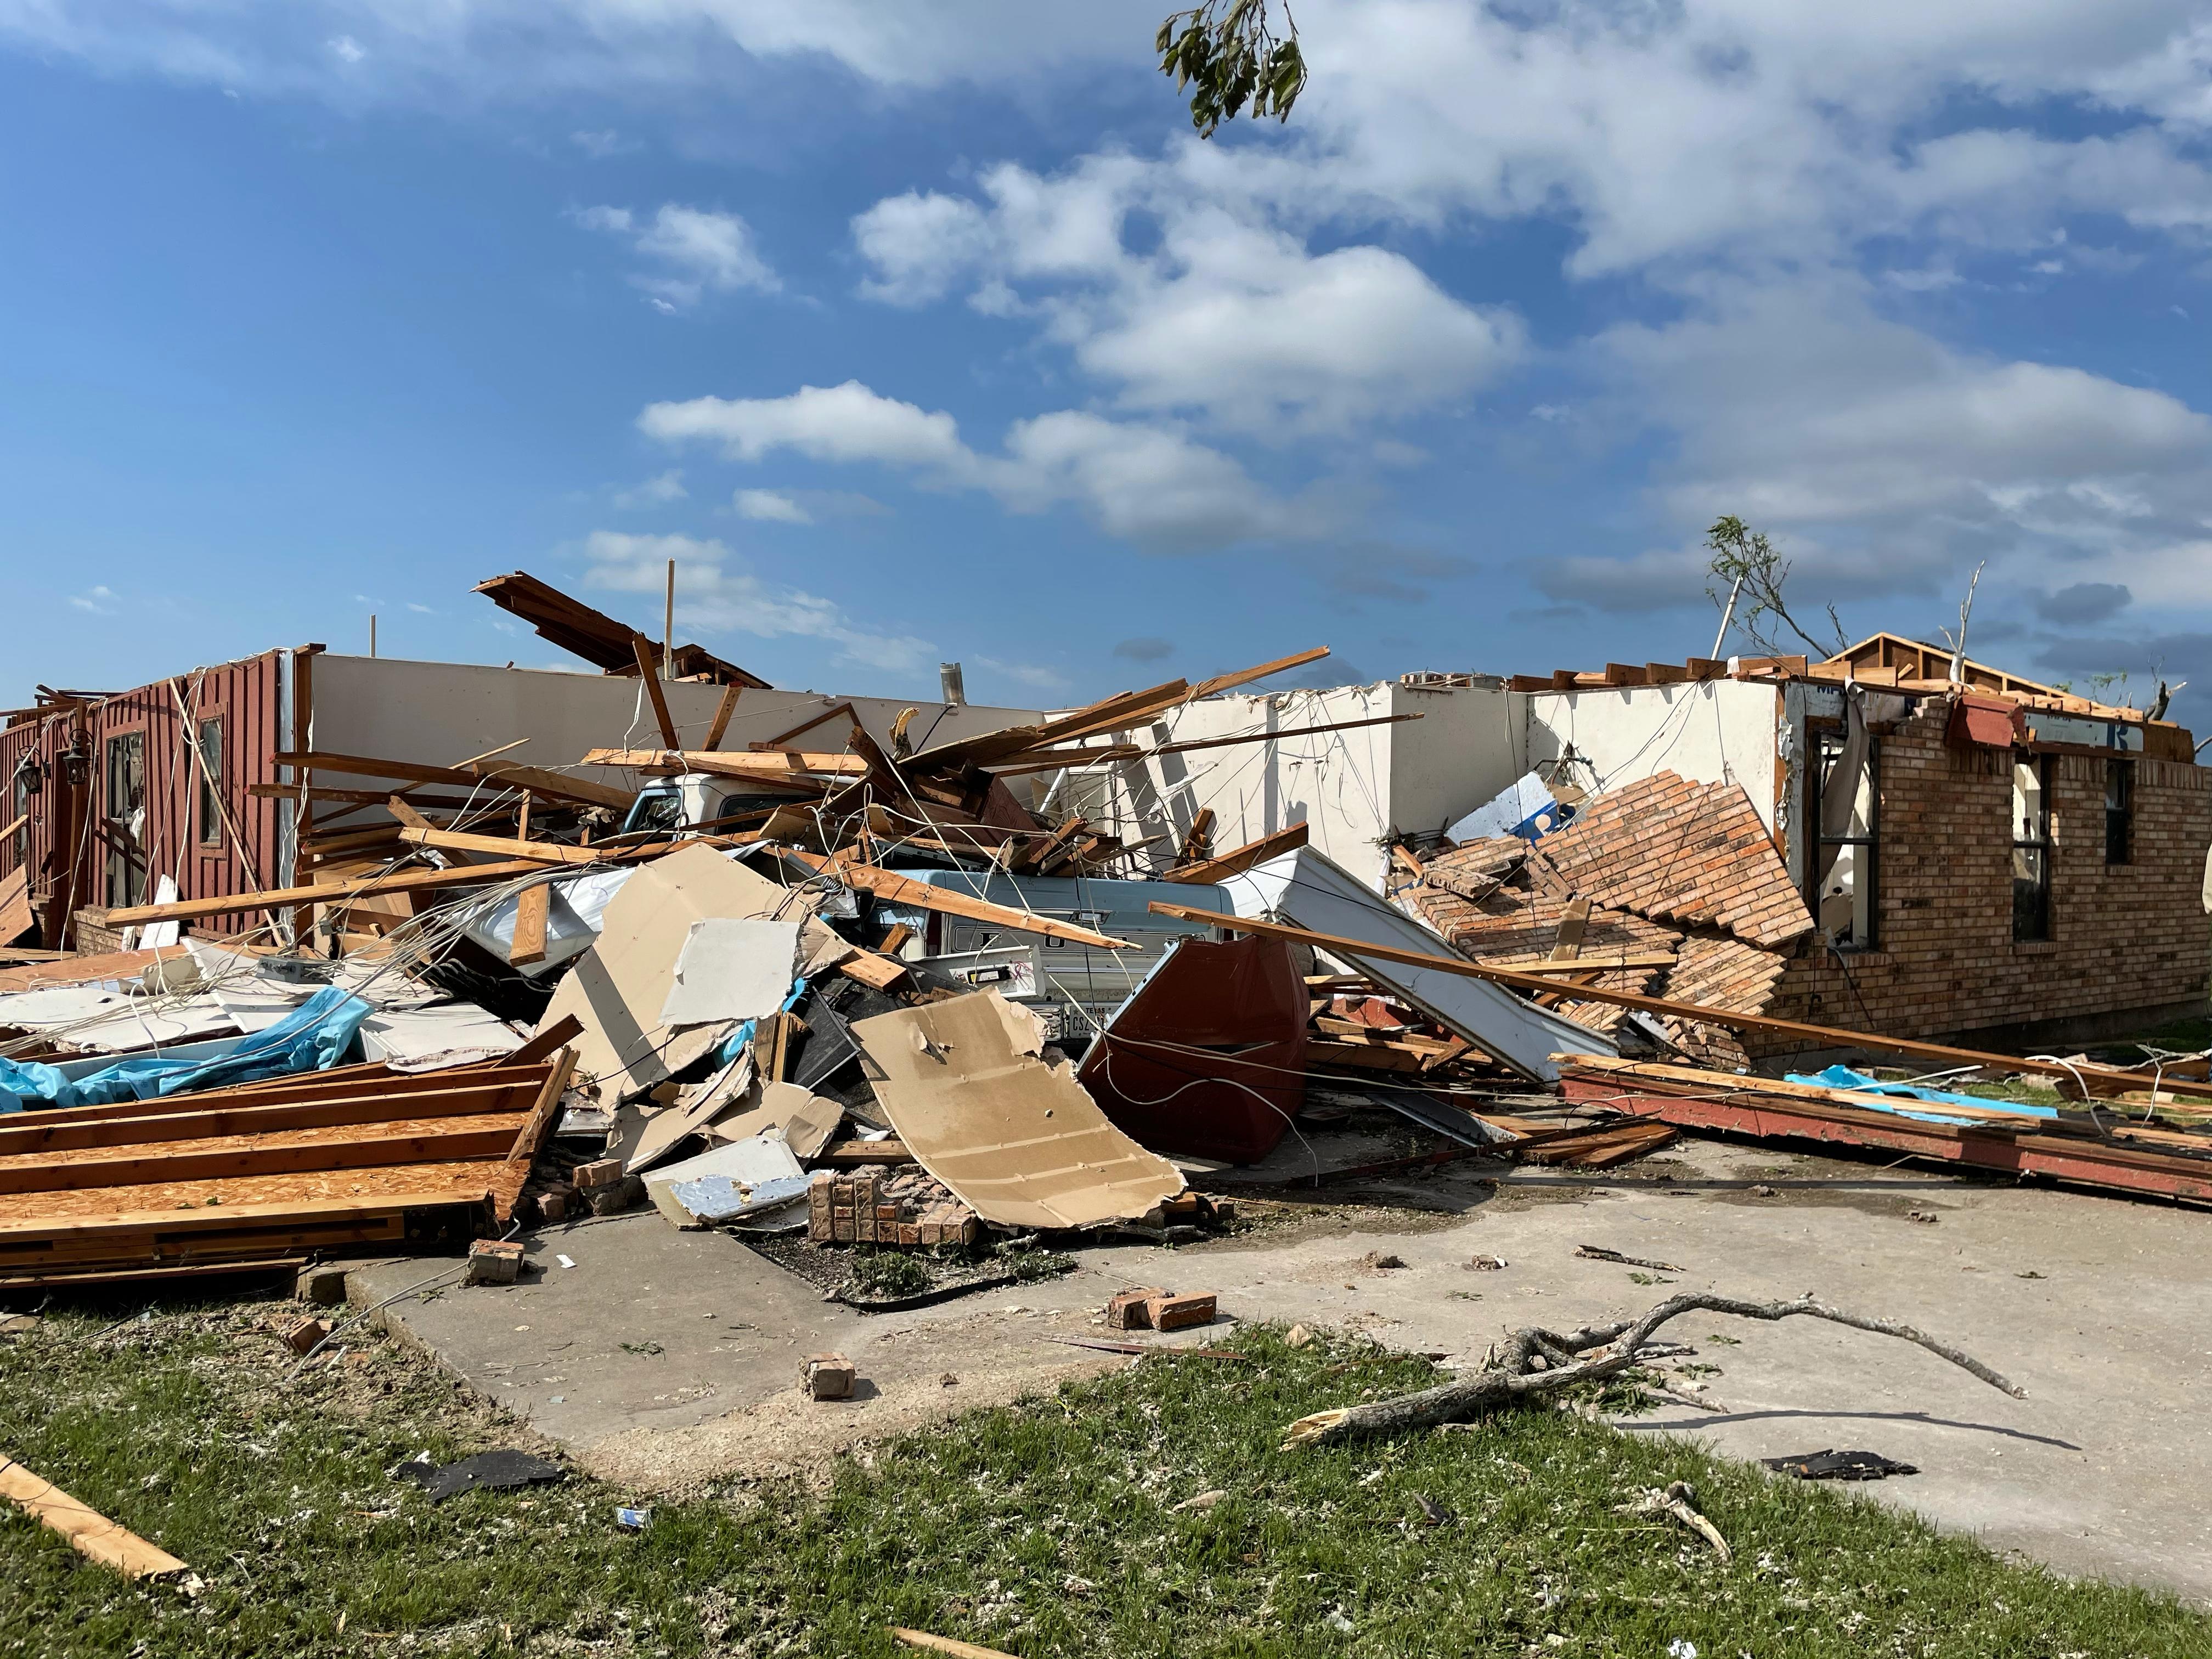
column 1538, row 1363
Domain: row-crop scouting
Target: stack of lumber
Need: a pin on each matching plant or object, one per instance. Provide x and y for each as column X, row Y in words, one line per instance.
column 2099, row 1149
column 258, row 1174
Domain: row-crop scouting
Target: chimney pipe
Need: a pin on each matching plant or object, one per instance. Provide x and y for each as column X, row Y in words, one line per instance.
column 949, row 684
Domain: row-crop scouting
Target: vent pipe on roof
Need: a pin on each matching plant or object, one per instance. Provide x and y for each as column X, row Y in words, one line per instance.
column 949, row 684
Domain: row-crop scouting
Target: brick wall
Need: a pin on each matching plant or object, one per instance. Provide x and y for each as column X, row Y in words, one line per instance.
column 2122, row 938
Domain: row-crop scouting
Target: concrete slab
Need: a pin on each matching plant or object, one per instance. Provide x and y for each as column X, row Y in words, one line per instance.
column 2099, row 1307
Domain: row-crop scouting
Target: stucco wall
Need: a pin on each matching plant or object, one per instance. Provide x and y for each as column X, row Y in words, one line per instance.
column 1711, row 731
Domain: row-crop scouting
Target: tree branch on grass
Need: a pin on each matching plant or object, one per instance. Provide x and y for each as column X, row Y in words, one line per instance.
column 1539, row 1363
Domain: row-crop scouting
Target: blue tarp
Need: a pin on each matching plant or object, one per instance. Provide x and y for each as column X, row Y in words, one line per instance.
column 744, row 1034
column 1842, row 1077
column 313, row 1037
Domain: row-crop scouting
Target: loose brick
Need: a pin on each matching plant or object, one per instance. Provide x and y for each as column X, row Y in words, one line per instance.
column 1132, row 1310
column 1176, row 1313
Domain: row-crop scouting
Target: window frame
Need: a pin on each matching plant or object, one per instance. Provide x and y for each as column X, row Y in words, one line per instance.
column 1818, row 730
column 2045, row 921
column 124, row 881
column 2120, row 820
column 206, row 781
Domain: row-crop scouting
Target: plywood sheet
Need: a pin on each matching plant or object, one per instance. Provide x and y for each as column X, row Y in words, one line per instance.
column 1017, row 1139
column 230, row 1199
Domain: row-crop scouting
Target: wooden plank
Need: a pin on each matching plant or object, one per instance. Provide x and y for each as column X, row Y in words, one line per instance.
column 91, row 1534
column 804, row 727
column 555, row 784
column 114, row 1275
column 723, row 712
column 276, row 1200
column 765, row 765
column 1567, row 946
column 382, row 1144
column 540, row 852
column 643, row 649
column 1197, row 840
column 1271, row 737
column 534, row 907
column 349, row 797
column 877, row 972
column 1244, row 858
column 506, row 1187
column 1821, row 1036
column 405, row 881
column 1588, row 964
column 1221, row 682
column 24, row 1133
column 898, row 889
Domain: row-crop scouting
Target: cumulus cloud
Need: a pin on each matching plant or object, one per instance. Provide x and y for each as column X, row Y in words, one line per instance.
column 654, row 491
column 715, row 594
column 98, row 600
column 699, row 250
column 771, row 505
column 1151, row 485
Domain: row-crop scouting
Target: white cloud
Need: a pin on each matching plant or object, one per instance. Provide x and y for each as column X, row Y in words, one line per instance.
column 1150, row 484
column 1035, row 677
column 657, row 491
column 771, row 505
column 701, row 252
column 347, row 50
column 97, row 600
column 604, row 143
column 715, row 594
column 421, row 610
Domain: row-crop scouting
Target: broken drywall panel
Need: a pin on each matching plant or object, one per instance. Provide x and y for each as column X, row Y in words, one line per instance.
column 619, row 986
column 965, row 1084
column 433, row 1039
column 1308, row 890
column 803, row 1120
column 745, row 1176
column 731, row 967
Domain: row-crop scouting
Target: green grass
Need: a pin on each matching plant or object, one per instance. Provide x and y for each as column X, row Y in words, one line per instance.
column 1044, row 1528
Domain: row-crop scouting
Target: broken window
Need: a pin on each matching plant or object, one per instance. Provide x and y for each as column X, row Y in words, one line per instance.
column 2031, row 848
column 126, row 827
column 1846, row 807
column 2120, row 812
column 20, row 814
column 210, row 781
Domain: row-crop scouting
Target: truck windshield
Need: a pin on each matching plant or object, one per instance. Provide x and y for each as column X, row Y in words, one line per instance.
column 655, row 808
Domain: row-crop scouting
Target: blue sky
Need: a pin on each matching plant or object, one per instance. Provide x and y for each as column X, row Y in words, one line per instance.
column 926, row 332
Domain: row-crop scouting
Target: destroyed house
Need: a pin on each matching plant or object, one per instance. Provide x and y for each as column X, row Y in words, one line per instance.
column 1861, row 842
column 182, row 788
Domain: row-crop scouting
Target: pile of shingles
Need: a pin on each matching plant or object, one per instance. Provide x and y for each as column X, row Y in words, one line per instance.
column 267, row 1173
column 1662, row 887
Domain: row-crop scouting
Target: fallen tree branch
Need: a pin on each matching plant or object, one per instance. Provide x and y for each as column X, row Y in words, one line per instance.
column 1538, row 1363
column 1679, row 1501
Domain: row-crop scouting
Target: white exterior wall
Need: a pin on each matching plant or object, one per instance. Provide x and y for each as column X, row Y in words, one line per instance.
column 438, row 713
column 1708, row 731
column 1355, row 790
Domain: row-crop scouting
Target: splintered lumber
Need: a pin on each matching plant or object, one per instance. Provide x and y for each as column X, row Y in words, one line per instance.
column 279, row 898
column 497, row 773
column 723, row 711
column 91, row 1534
column 1236, row 863
column 922, row 895
column 1770, row 1109
column 1106, row 715
column 1270, row 736
column 1825, row 1036
column 595, row 636
column 765, row 764
column 540, row 852
column 643, row 649
column 1246, row 676
column 534, row 907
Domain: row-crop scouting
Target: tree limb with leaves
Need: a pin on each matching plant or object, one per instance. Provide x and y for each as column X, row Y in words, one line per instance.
column 1228, row 57
column 1748, row 567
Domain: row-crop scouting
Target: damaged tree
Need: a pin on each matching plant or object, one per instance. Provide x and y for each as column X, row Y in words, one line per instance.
column 1540, row 1364
column 1752, row 571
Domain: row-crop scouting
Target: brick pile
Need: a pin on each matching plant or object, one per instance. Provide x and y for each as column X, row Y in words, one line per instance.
column 1672, row 850
column 905, row 1208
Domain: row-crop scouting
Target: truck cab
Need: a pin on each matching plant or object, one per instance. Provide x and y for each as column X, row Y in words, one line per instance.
column 668, row 806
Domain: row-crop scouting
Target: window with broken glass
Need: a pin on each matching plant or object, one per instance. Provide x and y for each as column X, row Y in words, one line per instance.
column 210, row 781
column 1846, row 807
column 2031, row 848
column 2120, row 812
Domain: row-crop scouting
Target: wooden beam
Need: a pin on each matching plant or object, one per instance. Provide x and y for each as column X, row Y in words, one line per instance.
column 1244, row 858
column 553, row 1037
column 1567, row 945
column 382, row 1145
column 348, row 797
column 898, row 889
column 1246, row 676
column 1198, row 840
column 1601, row 964
column 406, row 881
column 643, row 648
column 723, row 711
column 804, row 727
column 1270, row 736
column 555, row 784
column 25, row 1135
column 536, row 852
column 90, row 1532
column 505, row 1191
column 533, row 907
column 767, row 765
column 1820, row 1036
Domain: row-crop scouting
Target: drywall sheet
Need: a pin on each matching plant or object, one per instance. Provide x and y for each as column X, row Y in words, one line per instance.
column 965, row 1084
column 435, row 1039
column 731, row 967
column 1307, row 891
column 619, row 986
column 803, row 1120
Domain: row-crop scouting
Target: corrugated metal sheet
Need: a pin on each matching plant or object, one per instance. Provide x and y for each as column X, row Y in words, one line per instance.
column 147, row 813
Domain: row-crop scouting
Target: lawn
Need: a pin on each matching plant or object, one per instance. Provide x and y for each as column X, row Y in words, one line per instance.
column 1061, row 1526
